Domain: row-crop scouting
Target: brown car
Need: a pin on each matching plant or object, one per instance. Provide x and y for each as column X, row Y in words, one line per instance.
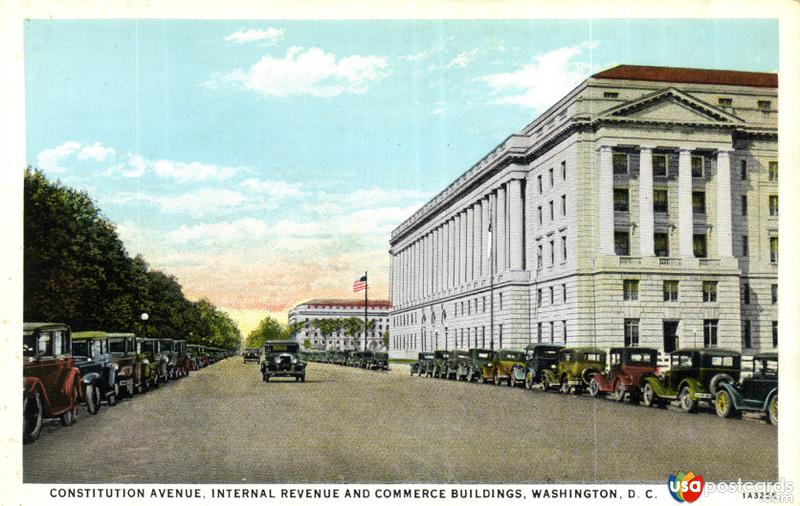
column 51, row 382
column 627, row 369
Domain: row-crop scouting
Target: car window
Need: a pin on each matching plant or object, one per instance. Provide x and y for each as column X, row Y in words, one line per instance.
column 28, row 345
column 45, row 345
column 593, row 357
column 643, row 358
column 615, row 358
column 565, row 357
column 683, row 360
column 117, row 346
column 720, row 361
column 80, row 348
column 97, row 348
column 765, row 367
column 483, row 355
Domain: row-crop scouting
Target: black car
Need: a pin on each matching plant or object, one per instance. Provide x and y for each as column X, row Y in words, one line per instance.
column 458, row 364
column 94, row 360
column 478, row 359
column 438, row 367
column 251, row 355
column 756, row 393
column 379, row 360
column 539, row 357
column 280, row 359
column 424, row 359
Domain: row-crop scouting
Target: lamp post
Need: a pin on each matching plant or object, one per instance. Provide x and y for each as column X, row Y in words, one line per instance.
column 144, row 317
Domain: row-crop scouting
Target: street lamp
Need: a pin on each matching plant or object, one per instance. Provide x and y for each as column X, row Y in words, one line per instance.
column 144, row 317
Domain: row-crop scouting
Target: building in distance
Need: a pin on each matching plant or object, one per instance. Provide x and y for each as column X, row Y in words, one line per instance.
column 309, row 313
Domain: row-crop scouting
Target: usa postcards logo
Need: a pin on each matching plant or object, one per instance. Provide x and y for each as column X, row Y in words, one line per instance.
column 685, row 487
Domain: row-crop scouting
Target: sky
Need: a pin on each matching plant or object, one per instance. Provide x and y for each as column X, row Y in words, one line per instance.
column 265, row 163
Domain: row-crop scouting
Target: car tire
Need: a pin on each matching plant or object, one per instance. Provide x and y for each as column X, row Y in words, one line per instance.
column 266, row 378
column 648, row 395
column 155, row 382
column 772, row 410
column 620, row 392
column 111, row 399
column 545, row 383
column 723, row 404
column 564, row 388
column 303, row 378
column 92, row 399
column 68, row 417
column 496, row 379
column 687, row 404
column 31, row 417
column 594, row 388
column 713, row 385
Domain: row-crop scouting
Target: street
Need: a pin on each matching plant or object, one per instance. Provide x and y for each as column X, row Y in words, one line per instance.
column 223, row 424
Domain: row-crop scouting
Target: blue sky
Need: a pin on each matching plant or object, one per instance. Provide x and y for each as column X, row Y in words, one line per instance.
column 265, row 163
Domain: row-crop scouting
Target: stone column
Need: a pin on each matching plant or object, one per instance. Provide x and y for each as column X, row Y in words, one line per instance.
column 476, row 241
column 462, row 247
column 646, row 228
column 485, row 237
column 499, row 228
column 459, row 250
column 685, row 221
column 515, row 224
column 724, row 223
column 451, row 261
column 605, row 202
column 470, row 232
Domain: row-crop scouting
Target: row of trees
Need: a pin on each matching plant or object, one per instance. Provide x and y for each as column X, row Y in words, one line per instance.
column 77, row 271
column 270, row 330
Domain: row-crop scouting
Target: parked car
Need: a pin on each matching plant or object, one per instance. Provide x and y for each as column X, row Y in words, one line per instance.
column 574, row 369
column 183, row 363
column 198, row 355
column 98, row 371
column 507, row 366
column 156, row 362
column 51, row 384
column 123, row 352
column 538, row 357
column 252, row 355
column 627, row 369
column 341, row 357
column 363, row 358
column 457, row 364
column 478, row 358
column 759, row 392
column 280, row 359
column 694, row 375
column 437, row 368
column 378, row 361
column 420, row 367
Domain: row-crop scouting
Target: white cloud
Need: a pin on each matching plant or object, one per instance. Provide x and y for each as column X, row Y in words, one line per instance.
column 462, row 59
column 270, row 36
column 274, row 189
column 194, row 171
column 422, row 55
column 50, row 159
column 196, row 204
column 137, row 164
column 311, row 72
column 371, row 196
column 219, row 233
column 547, row 79
column 96, row 152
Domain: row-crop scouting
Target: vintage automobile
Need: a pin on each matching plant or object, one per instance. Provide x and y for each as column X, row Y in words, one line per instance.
column 574, row 369
column 280, row 359
column 378, row 361
column 420, row 367
column 149, row 350
column 437, row 368
column 506, row 366
column 627, row 369
column 457, row 364
column 363, row 359
column 695, row 374
column 538, row 357
column 341, row 357
column 759, row 392
column 51, row 384
column 198, row 355
column 182, row 360
column 478, row 358
column 252, row 355
column 123, row 352
column 98, row 371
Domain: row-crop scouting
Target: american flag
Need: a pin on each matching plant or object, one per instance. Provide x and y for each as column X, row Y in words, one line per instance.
column 360, row 284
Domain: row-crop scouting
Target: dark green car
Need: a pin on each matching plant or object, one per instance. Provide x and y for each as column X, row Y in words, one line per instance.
column 378, row 361
column 438, row 367
column 538, row 358
column 694, row 375
column 280, row 360
column 424, row 359
column 458, row 364
column 478, row 360
column 758, row 393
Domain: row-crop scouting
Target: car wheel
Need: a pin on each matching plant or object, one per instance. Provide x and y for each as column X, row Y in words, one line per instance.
column 112, row 399
column 31, row 417
column 620, row 391
column 412, row 370
column 564, row 388
column 713, row 385
column 155, row 382
column 724, row 404
column 529, row 380
column 92, row 399
column 648, row 395
column 68, row 417
column 772, row 410
column 545, row 383
column 303, row 378
column 594, row 388
column 470, row 376
column 685, row 399
column 266, row 378
column 496, row 379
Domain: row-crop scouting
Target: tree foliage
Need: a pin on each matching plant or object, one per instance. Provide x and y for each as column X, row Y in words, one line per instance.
column 268, row 330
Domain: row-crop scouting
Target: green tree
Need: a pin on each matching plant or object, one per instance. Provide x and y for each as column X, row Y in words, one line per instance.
column 327, row 326
column 386, row 339
column 307, row 344
column 268, row 330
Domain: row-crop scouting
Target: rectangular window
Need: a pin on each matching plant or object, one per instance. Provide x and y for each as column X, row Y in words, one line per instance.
column 564, row 248
column 725, row 102
column 743, row 168
column 539, row 332
column 564, row 293
column 661, row 244
column 552, row 183
column 564, row 330
column 630, row 289
column 539, row 256
column 621, row 244
column 610, row 94
column 660, row 165
column 539, row 297
column 484, row 303
column 764, row 105
column 710, row 333
column 774, row 288
column 700, row 246
column 660, row 201
column 773, row 205
column 552, row 332
column 773, row 170
column 564, row 170
column 744, row 205
column 774, row 334
column 745, row 246
column 539, row 211
column 747, row 335
column 620, row 161
column 552, row 253
column 500, row 295
column 697, row 166
column 621, row 200
column 746, row 293
column 631, row 332
column 709, row 291
column 500, row 334
column 539, row 182
column 773, row 250
column 551, row 210
column 552, row 298
column 563, row 205
column 699, row 202
column 670, row 291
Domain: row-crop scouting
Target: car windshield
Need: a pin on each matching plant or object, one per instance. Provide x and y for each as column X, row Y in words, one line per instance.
column 166, row 345
column 483, row 354
column 80, row 348
column 512, row 355
column 682, row 360
column 462, row 355
column 148, row 347
column 427, row 356
column 117, row 346
column 281, row 348
column 642, row 358
column 593, row 357
column 720, row 361
column 28, row 345
column 765, row 367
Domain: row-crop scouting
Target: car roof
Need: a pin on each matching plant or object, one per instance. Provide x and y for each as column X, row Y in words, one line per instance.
column 769, row 355
column 280, row 342
column 633, row 348
column 714, row 351
column 120, row 334
column 509, row 350
column 583, row 349
column 89, row 334
column 30, row 327
column 543, row 345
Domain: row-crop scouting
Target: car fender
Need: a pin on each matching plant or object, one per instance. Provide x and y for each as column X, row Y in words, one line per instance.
column 772, row 393
column 736, row 397
column 656, row 385
column 694, row 387
column 518, row 372
column 91, row 378
column 550, row 375
column 73, row 379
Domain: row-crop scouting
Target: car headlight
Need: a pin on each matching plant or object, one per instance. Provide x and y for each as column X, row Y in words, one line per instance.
column 146, row 362
column 294, row 360
column 489, row 364
column 115, row 366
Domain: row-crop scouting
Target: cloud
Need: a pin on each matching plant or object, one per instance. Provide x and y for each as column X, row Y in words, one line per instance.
column 270, row 36
column 380, row 195
column 96, row 152
column 541, row 83
column 422, row 55
column 311, row 72
column 462, row 59
column 50, row 159
column 195, row 204
column 217, row 233
column 274, row 189
column 194, row 171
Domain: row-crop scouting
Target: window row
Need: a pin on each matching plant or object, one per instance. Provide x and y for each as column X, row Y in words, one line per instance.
column 551, row 252
column 551, row 210
column 621, row 165
column 747, row 333
column 551, row 291
column 630, row 290
column 551, row 177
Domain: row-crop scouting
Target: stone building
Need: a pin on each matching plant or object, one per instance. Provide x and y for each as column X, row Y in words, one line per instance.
column 640, row 209
column 322, row 309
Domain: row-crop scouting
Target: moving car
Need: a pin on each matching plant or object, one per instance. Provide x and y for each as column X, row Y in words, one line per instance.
column 280, row 359
column 756, row 393
column 628, row 368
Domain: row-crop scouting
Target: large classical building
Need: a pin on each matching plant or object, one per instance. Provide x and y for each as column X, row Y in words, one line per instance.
column 312, row 311
column 641, row 209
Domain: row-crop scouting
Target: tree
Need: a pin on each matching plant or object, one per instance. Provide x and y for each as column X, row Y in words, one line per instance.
column 307, row 344
column 386, row 339
column 328, row 326
column 268, row 330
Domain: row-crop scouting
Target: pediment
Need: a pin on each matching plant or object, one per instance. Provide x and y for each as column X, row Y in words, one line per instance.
column 671, row 106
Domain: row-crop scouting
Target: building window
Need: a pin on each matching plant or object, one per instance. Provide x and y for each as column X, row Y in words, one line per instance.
column 773, row 170
column 660, row 165
column 564, row 171
column 500, row 334
column 660, row 201
column 552, row 297
column 564, row 330
column 539, row 297
column 563, row 205
column 774, row 334
column 621, row 243
column 773, row 250
column 746, row 293
column 564, row 248
column 621, row 200
column 552, row 332
column 539, row 182
column 661, row 244
column 539, row 332
column 552, row 216
column 710, row 333
column 500, row 295
column 745, row 246
column 709, row 291
column 774, row 288
column 538, row 256
column 744, row 205
column 550, row 172
column 564, row 293
column 484, row 303
column 552, row 253
column 773, row 205
column 539, row 210
column 725, row 102
column 699, row 202
column 631, row 332
column 630, row 289
column 764, row 105
column 700, row 249
column 743, row 169
column 670, row 291
column 697, row 166
column 620, row 162
column 610, row 94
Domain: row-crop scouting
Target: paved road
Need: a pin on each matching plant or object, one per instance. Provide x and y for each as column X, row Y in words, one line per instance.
column 222, row 424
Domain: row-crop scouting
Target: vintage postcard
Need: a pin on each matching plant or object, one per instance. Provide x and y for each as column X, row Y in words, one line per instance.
column 316, row 256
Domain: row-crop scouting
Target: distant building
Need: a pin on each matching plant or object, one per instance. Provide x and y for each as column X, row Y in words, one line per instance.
column 325, row 309
column 641, row 209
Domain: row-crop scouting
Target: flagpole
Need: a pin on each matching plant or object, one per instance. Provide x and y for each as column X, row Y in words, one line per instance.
column 491, row 284
column 366, row 303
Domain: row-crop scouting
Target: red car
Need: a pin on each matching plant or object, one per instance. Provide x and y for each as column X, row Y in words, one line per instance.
column 51, row 382
column 628, row 368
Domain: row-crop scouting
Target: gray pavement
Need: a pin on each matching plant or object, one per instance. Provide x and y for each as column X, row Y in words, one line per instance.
column 223, row 424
